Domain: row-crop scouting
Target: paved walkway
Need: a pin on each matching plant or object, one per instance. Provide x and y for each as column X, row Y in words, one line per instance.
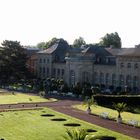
column 64, row 106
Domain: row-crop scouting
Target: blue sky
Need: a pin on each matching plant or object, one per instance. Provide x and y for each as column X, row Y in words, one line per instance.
column 33, row 21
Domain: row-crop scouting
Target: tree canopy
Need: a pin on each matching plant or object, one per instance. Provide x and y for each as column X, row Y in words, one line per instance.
column 45, row 45
column 13, row 61
column 41, row 45
column 111, row 39
column 79, row 42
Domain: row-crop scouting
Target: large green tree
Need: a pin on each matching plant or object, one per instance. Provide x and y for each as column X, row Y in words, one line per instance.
column 45, row 45
column 13, row 61
column 51, row 42
column 111, row 39
column 79, row 42
column 41, row 45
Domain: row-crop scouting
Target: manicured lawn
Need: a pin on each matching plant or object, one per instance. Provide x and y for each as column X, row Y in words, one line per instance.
column 21, row 98
column 112, row 113
column 30, row 125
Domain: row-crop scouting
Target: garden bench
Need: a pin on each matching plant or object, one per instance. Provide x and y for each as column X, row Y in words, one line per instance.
column 133, row 123
column 104, row 115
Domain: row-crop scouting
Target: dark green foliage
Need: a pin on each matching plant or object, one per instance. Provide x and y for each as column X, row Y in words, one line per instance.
column 51, row 42
column 77, row 89
column 133, row 109
column 90, row 102
column 120, row 107
column 13, row 61
column 45, row 45
column 78, row 42
column 112, row 39
column 76, row 134
column 108, row 100
column 41, row 45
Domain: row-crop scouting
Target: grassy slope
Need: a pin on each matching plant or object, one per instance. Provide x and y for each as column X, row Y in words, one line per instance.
column 20, row 98
column 112, row 113
column 29, row 125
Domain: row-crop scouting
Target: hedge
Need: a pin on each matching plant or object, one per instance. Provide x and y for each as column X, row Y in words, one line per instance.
column 108, row 100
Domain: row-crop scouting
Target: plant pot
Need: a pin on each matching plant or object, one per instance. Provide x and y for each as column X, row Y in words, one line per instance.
column 119, row 120
column 89, row 111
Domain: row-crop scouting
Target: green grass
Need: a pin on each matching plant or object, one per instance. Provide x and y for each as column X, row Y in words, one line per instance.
column 29, row 125
column 97, row 110
column 8, row 98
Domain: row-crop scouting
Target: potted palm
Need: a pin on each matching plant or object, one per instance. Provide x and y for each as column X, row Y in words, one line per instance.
column 89, row 102
column 120, row 107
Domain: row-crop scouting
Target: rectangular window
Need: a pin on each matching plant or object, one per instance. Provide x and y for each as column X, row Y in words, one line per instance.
column 121, row 65
column 40, row 69
column 63, row 72
column 48, row 71
column 54, row 72
column 40, row 60
column 43, row 69
column 44, row 60
column 48, row 60
column 58, row 72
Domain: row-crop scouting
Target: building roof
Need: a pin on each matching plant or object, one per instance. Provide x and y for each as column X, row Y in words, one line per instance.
column 115, row 51
column 130, row 52
column 30, row 51
column 60, row 44
column 97, row 50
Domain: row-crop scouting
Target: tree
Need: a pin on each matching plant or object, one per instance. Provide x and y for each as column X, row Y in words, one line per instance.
column 45, row 45
column 41, row 45
column 78, row 42
column 89, row 102
column 112, row 39
column 120, row 107
column 77, row 89
column 51, row 42
column 13, row 61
